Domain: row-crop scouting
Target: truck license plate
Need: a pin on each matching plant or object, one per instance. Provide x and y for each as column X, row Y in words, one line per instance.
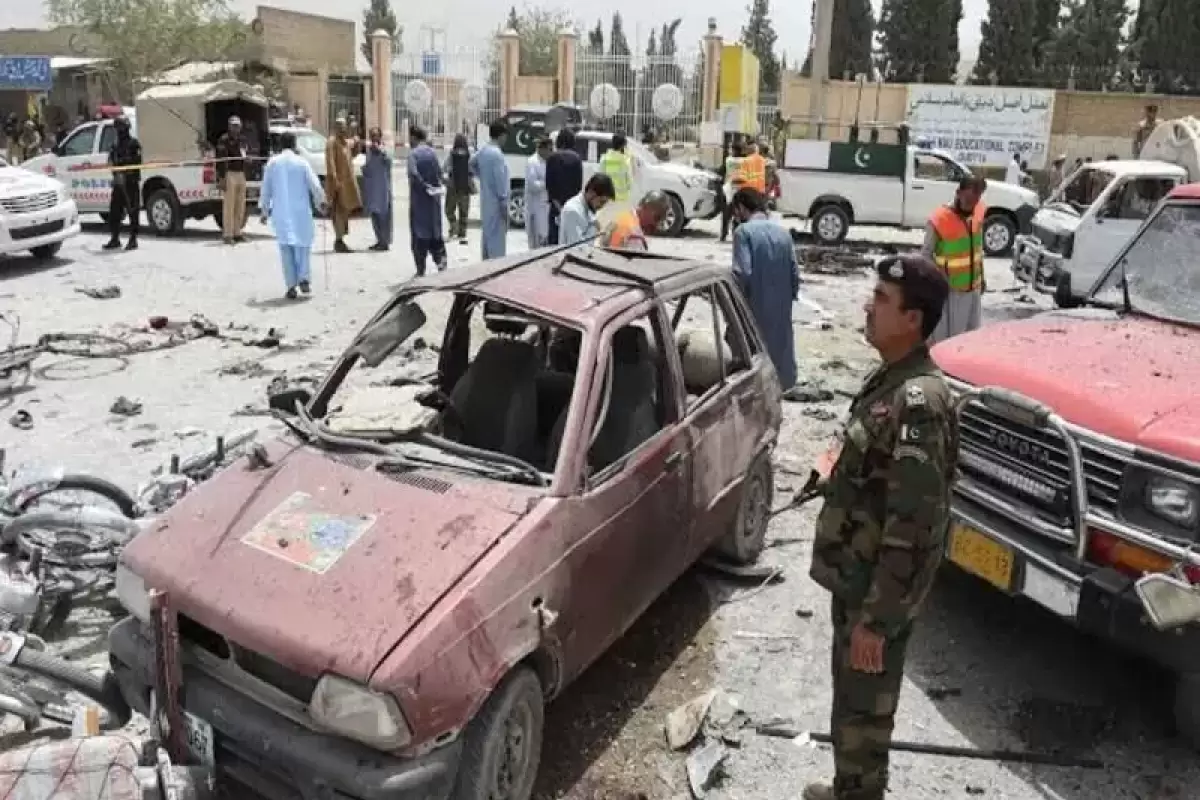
column 979, row 555
column 199, row 739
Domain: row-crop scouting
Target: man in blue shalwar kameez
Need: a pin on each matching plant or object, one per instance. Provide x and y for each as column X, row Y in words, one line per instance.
column 290, row 192
column 489, row 166
column 377, row 190
column 425, row 192
column 764, row 265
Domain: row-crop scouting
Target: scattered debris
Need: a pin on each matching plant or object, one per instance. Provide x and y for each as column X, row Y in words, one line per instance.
column 975, row 791
column 820, row 413
column 808, row 391
column 125, row 407
column 22, row 420
column 258, row 457
column 704, row 767
column 942, row 692
column 247, row 368
column 758, row 635
column 804, row 613
column 100, row 292
column 142, row 444
column 251, row 410
column 684, row 723
column 744, row 571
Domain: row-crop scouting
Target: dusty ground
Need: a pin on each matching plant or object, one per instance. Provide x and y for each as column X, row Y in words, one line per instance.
column 983, row 671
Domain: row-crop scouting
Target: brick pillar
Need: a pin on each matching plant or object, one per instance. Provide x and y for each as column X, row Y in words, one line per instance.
column 510, row 67
column 382, row 107
column 712, row 71
column 568, row 42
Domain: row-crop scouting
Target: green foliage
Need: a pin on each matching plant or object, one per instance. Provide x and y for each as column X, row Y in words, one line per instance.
column 1006, row 46
column 1164, row 46
column 618, row 45
column 850, row 44
column 1046, row 22
column 379, row 16
column 759, row 35
column 919, row 40
column 538, row 29
column 148, row 37
column 1088, row 45
column 595, row 45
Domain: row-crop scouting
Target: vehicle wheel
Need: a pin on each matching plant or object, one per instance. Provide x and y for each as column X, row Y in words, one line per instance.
column 999, row 235
column 676, row 218
column 1062, row 293
column 744, row 541
column 164, row 213
column 46, row 251
column 1187, row 708
column 104, row 217
column 503, row 744
column 516, row 208
column 830, row 224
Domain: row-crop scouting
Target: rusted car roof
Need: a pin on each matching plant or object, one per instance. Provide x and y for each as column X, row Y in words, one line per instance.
column 583, row 284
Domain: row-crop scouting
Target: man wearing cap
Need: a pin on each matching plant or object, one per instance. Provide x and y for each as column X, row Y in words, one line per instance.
column 231, row 179
column 1144, row 129
column 627, row 231
column 881, row 534
column 954, row 242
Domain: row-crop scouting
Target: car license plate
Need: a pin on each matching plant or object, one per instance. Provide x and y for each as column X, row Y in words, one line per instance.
column 979, row 555
column 1045, row 589
column 199, row 739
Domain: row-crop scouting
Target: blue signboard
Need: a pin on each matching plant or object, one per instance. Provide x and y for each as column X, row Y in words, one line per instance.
column 431, row 64
column 27, row 73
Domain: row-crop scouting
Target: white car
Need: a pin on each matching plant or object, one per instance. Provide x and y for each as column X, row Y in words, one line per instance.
column 310, row 145
column 692, row 192
column 36, row 213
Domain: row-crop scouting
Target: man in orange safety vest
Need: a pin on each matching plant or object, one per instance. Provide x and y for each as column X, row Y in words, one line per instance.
column 627, row 231
column 954, row 241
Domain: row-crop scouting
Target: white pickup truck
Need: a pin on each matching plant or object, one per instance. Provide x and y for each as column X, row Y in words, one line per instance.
column 36, row 214
column 1098, row 208
column 178, row 126
column 839, row 184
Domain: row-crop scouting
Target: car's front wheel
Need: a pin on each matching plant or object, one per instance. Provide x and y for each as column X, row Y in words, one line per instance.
column 744, row 542
column 516, row 206
column 672, row 224
column 503, row 744
column 46, row 251
column 999, row 234
column 830, row 225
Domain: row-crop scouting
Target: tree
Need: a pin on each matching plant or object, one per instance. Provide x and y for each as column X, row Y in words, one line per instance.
column 1165, row 39
column 595, row 46
column 1088, row 45
column 759, row 35
column 1006, row 45
column 539, row 29
column 380, row 17
column 618, row 45
column 652, row 45
column 918, row 40
column 1046, row 22
column 850, row 44
column 147, row 37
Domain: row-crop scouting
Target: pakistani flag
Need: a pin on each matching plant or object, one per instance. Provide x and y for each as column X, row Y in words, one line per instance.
column 854, row 158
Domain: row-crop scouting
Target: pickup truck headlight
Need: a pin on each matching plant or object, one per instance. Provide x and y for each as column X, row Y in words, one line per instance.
column 344, row 707
column 132, row 592
column 1174, row 501
column 695, row 181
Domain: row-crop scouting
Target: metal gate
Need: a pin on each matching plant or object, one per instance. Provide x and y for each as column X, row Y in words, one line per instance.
column 642, row 95
column 445, row 93
column 346, row 101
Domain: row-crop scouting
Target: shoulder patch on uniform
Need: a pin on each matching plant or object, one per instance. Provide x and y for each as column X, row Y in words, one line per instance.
column 910, row 451
column 910, row 434
column 914, row 396
column 880, row 409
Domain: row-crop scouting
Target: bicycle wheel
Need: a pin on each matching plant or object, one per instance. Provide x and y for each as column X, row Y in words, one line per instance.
column 85, row 345
column 24, row 498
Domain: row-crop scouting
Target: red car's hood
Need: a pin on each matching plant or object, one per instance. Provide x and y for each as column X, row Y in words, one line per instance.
column 1134, row 379
column 317, row 564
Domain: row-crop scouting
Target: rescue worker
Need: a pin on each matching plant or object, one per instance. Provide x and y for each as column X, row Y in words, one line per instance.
column 731, row 171
column 124, row 156
column 627, row 231
column 881, row 534
column 954, row 242
column 618, row 165
column 232, row 150
column 754, row 169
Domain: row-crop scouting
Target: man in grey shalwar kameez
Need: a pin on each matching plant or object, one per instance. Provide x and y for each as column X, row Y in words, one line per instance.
column 764, row 265
column 425, row 192
column 377, row 190
column 489, row 166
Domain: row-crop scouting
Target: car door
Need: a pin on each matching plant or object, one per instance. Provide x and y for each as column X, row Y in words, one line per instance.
column 634, row 512
column 1118, row 214
column 77, row 157
column 933, row 183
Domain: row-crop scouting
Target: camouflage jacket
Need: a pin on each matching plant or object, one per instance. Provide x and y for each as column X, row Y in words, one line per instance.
column 882, row 531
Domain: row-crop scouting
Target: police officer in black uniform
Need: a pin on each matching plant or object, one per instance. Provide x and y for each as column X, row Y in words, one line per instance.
column 126, row 185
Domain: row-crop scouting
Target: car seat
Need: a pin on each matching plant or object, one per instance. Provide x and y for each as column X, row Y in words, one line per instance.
column 496, row 399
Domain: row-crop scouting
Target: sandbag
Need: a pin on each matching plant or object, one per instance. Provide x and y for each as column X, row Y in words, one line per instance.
column 91, row 768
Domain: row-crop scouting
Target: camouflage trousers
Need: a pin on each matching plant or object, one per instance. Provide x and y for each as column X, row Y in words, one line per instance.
column 864, row 711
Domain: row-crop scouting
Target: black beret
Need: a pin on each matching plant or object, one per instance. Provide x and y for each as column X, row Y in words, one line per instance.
column 914, row 272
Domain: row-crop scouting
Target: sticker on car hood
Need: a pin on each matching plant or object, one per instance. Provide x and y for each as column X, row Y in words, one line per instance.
column 300, row 532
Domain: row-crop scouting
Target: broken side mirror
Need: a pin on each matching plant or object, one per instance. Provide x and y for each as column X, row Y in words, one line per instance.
column 1169, row 601
column 286, row 400
column 383, row 336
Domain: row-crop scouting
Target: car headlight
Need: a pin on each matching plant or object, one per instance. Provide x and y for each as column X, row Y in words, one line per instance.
column 1173, row 500
column 132, row 592
column 346, row 708
column 695, row 181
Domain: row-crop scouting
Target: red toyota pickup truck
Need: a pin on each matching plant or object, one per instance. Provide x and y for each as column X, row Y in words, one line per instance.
column 1079, row 482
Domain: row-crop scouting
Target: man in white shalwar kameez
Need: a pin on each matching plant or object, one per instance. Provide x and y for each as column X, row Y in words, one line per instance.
column 290, row 193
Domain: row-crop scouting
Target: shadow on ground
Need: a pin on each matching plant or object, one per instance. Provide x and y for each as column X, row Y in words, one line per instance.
column 1007, row 674
column 604, row 735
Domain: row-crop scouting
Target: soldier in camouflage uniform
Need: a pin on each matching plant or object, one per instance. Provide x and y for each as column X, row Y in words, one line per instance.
column 881, row 534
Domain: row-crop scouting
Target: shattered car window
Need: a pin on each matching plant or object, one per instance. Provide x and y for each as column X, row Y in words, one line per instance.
column 1160, row 267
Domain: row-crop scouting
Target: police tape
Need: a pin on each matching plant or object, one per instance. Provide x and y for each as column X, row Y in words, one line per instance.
column 155, row 165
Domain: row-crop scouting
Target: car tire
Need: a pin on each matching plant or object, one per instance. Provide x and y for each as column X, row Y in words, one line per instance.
column 830, row 225
column 1062, row 293
column 516, row 206
column 46, row 251
column 164, row 213
column 509, row 725
column 744, row 542
column 672, row 224
column 999, row 235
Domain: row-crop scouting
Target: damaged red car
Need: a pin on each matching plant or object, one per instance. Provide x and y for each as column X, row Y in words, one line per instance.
column 380, row 604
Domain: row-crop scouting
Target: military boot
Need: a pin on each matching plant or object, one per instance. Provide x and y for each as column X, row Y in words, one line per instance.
column 819, row 791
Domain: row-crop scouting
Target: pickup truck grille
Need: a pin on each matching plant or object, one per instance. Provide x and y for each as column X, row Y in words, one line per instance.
column 30, row 203
column 1029, row 465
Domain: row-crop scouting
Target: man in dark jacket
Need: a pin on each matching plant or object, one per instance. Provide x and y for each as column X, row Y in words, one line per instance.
column 564, row 178
column 126, row 153
column 231, row 178
column 457, row 173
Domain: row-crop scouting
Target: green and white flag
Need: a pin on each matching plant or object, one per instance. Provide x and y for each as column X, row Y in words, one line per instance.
column 852, row 158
